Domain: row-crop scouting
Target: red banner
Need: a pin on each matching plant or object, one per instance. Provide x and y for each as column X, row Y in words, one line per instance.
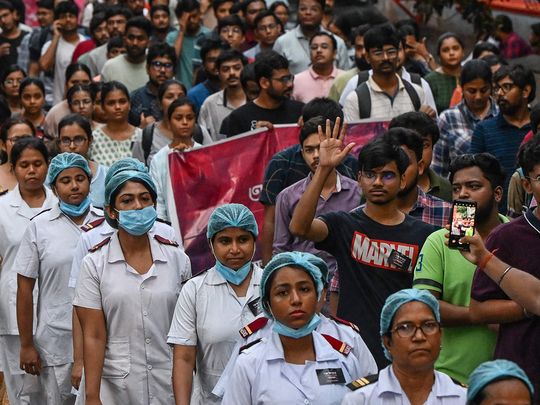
column 232, row 171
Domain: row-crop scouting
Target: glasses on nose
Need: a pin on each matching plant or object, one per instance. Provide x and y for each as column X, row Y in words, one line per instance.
column 537, row 178
column 230, row 30
column 284, row 79
column 390, row 53
column 161, row 65
column 77, row 141
column 505, row 87
column 15, row 139
column 385, row 176
column 81, row 103
column 408, row 329
column 12, row 82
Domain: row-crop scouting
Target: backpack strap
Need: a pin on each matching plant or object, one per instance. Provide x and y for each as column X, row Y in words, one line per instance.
column 197, row 134
column 147, row 138
column 413, row 95
column 416, row 79
column 364, row 101
column 363, row 76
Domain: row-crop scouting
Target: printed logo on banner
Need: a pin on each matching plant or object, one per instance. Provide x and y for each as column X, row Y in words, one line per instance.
column 255, row 192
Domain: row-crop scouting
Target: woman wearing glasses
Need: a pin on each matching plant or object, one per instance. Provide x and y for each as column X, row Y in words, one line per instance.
column 10, row 84
column 411, row 337
column 11, row 131
column 75, row 136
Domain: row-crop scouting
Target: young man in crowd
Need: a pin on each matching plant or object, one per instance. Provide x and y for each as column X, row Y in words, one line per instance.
column 57, row 53
column 511, row 44
column 273, row 105
column 294, row 45
column 130, row 69
column 11, row 35
column 318, row 78
column 217, row 106
column 518, row 244
column 160, row 17
column 160, row 64
column 449, row 276
column 514, row 88
column 232, row 30
column 250, row 10
column 98, row 36
column 376, row 246
column 268, row 28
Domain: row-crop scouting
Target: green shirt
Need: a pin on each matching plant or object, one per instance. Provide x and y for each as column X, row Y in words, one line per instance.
column 442, row 86
column 340, row 82
column 439, row 187
column 447, row 272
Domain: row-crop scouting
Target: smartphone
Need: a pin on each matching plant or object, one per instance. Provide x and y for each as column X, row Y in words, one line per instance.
column 463, row 222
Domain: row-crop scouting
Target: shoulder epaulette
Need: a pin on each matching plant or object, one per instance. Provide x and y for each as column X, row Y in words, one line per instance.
column 245, row 347
column 338, row 345
column 93, row 224
column 363, row 382
column 37, row 215
column 253, row 327
column 99, row 245
column 347, row 323
column 163, row 221
column 165, row 241
column 4, row 192
column 459, row 383
column 196, row 275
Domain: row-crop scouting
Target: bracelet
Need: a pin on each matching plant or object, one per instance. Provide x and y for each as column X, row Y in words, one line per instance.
column 504, row 274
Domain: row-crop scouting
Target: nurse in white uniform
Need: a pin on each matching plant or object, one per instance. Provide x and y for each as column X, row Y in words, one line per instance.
column 295, row 364
column 214, row 305
column 29, row 160
column 411, row 334
column 45, row 256
column 125, row 298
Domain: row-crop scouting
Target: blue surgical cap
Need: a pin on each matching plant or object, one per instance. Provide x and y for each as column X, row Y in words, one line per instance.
column 495, row 370
column 65, row 161
column 124, row 170
column 231, row 216
column 310, row 263
column 396, row 300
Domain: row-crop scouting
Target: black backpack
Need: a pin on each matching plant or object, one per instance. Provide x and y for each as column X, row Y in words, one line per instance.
column 364, row 98
column 148, row 137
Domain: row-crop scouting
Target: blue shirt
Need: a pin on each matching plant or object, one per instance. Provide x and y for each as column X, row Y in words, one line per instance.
column 200, row 92
column 144, row 101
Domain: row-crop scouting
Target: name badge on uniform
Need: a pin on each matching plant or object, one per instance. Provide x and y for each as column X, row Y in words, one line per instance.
column 399, row 260
column 255, row 307
column 330, row 376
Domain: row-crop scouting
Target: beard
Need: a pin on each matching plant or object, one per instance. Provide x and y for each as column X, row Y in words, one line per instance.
column 507, row 108
column 408, row 188
column 483, row 213
column 362, row 64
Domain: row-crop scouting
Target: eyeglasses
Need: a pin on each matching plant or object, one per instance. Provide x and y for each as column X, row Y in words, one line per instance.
column 379, row 53
column 77, row 141
column 505, row 87
column 385, row 176
column 12, row 82
column 537, row 178
column 161, row 65
column 284, row 79
column 15, row 139
column 408, row 329
column 230, row 30
column 81, row 103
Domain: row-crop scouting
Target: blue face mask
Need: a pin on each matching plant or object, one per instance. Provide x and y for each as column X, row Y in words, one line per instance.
column 297, row 333
column 137, row 222
column 75, row 210
column 233, row 276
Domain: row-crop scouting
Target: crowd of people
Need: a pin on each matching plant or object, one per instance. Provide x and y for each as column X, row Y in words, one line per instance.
column 357, row 297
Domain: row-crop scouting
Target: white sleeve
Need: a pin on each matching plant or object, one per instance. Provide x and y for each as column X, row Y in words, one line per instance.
column 239, row 387
column 354, row 398
column 27, row 260
column 183, row 329
column 81, row 250
column 223, row 382
column 350, row 108
column 161, row 205
column 205, row 121
column 351, row 85
column 87, row 290
column 368, row 366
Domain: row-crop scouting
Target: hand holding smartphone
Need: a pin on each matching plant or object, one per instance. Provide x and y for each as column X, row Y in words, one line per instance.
column 463, row 223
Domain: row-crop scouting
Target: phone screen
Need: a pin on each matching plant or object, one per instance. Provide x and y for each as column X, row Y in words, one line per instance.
column 463, row 222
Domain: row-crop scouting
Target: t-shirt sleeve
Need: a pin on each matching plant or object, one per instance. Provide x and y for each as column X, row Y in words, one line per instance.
column 282, row 236
column 429, row 271
column 183, row 329
column 240, row 384
column 87, row 291
column 27, row 259
column 78, row 256
column 274, row 178
column 332, row 220
column 478, row 141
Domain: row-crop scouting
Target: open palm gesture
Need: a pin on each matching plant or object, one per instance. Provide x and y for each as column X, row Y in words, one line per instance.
column 332, row 151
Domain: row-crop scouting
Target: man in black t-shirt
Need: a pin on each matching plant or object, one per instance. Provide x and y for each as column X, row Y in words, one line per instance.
column 376, row 246
column 273, row 105
column 11, row 35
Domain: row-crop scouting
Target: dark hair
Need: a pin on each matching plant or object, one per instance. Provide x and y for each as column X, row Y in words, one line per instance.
column 268, row 62
column 444, row 37
column 77, row 89
column 404, row 31
column 165, row 86
column 503, row 23
column 8, row 124
column 179, row 102
column 5, row 5
column 535, row 117
column 48, row 4
column 276, row 4
column 311, row 127
column 112, row 86
column 248, row 74
column 115, row 42
column 117, row 9
column 211, row 45
column 493, row 60
column 419, row 122
column 231, row 20
column 529, row 155
column 186, row 6
column 217, row 3
column 159, row 7
column 405, row 137
column 244, row 4
column 409, row 26
column 486, row 162
column 230, row 55
column 322, row 107
column 535, row 28
column 359, row 31
column 161, row 50
column 325, row 34
column 77, row 67
column 520, row 75
column 484, row 46
column 28, row 81
column 12, row 69
column 267, row 13
column 66, row 7
column 322, row 3
column 141, row 23
column 380, row 152
column 28, row 143
column 377, row 37
column 76, row 119
column 5, row 112
column 96, row 21
column 475, row 69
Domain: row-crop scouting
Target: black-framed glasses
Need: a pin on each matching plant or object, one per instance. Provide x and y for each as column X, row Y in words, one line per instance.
column 408, row 329
column 161, row 65
column 15, row 139
column 77, row 140
column 505, row 87
column 284, row 79
column 390, row 52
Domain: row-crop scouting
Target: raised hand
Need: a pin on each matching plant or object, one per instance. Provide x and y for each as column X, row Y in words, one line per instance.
column 332, row 152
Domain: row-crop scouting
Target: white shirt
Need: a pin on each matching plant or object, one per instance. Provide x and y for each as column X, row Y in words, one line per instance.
column 45, row 254
column 138, row 309
column 209, row 315
column 262, row 376
column 388, row 391
column 213, row 111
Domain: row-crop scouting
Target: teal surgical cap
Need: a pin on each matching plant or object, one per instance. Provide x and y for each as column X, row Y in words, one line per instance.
column 231, row 216
column 492, row 371
column 396, row 300
column 310, row 263
column 124, row 170
column 65, row 161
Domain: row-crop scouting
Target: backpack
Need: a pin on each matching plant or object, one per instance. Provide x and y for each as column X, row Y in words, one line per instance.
column 148, row 137
column 364, row 98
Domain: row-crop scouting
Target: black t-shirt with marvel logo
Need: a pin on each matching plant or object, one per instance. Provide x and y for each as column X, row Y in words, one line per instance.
column 374, row 261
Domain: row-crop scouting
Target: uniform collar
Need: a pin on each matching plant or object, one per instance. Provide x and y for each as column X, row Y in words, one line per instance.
column 16, row 201
column 116, row 254
column 316, row 76
column 323, row 350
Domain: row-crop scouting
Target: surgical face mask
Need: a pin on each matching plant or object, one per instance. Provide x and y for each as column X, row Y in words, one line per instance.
column 233, row 276
column 137, row 222
column 75, row 211
column 297, row 333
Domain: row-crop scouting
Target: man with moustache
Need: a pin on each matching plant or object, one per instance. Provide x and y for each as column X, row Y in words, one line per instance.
column 11, row 35
column 57, row 53
column 273, row 106
column 130, row 68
